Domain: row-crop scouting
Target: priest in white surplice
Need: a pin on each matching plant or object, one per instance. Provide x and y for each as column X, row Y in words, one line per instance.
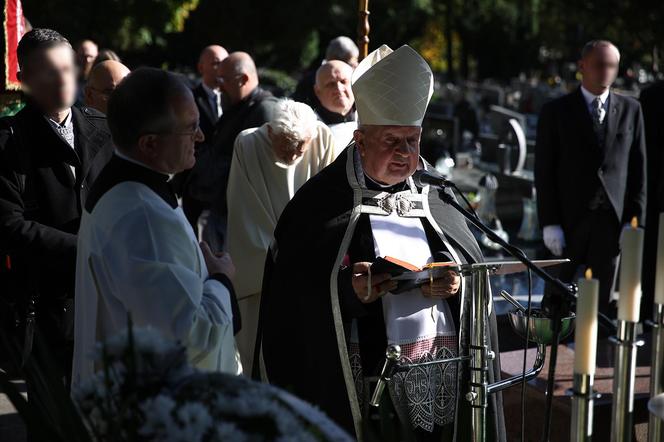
column 137, row 254
column 270, row 163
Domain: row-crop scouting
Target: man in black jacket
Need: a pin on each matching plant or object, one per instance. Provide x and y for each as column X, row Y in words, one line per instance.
column 208, row 97
column 248, row 106
column 50, row 153
column 590, row 169
column 207, row 93
column 652, row 102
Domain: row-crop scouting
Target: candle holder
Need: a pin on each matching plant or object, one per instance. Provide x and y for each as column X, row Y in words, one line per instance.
column 583, row 398
column 624, row 368
column 655, row 429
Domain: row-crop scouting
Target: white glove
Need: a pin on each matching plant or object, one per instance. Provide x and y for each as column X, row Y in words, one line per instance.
column 554, row 239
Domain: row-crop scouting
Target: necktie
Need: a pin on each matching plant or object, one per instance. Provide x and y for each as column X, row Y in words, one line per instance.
column 215, row 101
column 67, row 132
column 598, row 111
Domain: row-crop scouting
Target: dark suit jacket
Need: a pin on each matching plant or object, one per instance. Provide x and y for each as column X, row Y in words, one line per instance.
column 570, row 165
column 652, row 102
column 41, row 201
column 207, row 115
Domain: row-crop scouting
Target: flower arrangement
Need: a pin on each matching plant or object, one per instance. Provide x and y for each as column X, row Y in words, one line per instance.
column 146, row 390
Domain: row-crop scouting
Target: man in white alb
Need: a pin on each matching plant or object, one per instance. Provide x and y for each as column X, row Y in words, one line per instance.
column 137, row 254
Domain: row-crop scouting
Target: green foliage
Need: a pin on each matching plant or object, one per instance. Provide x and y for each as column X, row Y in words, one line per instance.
column 124, row 25
column 280, row 80
column 490, row 38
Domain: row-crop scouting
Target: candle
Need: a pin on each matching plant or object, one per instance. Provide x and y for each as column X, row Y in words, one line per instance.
column 631, row 253
column 585, row 333
column 659, row 273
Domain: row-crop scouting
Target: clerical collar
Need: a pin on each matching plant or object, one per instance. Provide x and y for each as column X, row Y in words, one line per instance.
column 328, row 117
column 169, row 176
column 122, row 169
column 375, row 185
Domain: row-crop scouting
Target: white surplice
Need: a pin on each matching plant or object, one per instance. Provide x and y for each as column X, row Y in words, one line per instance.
column 138, row 255
column 422, row 326
column 259, row 187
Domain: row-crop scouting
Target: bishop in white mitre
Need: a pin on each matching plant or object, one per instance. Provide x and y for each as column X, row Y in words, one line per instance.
column 326, row 318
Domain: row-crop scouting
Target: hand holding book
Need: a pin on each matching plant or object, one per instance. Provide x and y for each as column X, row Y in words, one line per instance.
column 368, row 285
column 387, row 274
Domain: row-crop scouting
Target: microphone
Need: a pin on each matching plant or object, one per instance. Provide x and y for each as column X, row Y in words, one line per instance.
column 392, row 355
column 423, row 178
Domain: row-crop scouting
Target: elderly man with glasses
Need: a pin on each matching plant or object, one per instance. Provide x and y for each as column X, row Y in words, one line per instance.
column 137, row 253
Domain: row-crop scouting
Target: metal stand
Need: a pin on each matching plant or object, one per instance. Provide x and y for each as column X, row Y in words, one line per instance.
column 655, row 429
column 478, row 350
column 563, row 296
column 479, row 354
column 583, row 397
column 556, row 316
column 626, row 344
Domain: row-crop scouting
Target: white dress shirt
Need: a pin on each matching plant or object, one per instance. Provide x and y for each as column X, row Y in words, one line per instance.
column 66, row 131
column 590, row 98
column 214, row 95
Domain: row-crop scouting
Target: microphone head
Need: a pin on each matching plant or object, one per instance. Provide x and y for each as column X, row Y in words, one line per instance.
column 423, row 178
column 417, row 178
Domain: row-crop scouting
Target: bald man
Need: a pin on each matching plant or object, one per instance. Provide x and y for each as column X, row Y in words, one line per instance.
column 207, row 93
column 595, row 136
column 209, row 101
column 104, row 78
column 339, row 48
column 247, row 106
column 336, row 101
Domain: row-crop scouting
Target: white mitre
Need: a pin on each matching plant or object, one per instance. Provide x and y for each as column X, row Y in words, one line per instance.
column 392, row 88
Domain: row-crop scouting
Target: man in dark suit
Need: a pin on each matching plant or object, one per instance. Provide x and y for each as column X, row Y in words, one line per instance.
column 50, row 153
column 590, row 170
column 248, row 105
column 209, row 100
column 652, row 102
column 207, row 93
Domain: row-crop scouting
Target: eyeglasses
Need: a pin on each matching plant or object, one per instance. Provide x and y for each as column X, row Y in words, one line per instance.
column 191, row 134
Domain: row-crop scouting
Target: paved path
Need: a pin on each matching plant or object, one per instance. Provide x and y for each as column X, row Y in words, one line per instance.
column 11, row 425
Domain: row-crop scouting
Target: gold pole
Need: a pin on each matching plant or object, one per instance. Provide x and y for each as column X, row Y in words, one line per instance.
column 363, row 28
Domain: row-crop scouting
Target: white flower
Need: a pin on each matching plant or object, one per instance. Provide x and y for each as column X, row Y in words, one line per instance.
column 228, row 432
column 139, row 389
column 158, row 416
column 195, row 420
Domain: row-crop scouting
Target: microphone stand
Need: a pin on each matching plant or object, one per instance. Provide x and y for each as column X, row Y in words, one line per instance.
column 560, row 303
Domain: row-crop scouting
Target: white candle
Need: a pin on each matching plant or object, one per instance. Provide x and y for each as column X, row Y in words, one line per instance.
column 659, row 273
column 585, row 333
column 631, row 254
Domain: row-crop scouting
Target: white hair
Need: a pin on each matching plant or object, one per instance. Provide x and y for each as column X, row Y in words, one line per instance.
column 294, row 119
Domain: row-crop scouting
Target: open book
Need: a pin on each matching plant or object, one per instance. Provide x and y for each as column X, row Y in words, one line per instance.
column 408, row 275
